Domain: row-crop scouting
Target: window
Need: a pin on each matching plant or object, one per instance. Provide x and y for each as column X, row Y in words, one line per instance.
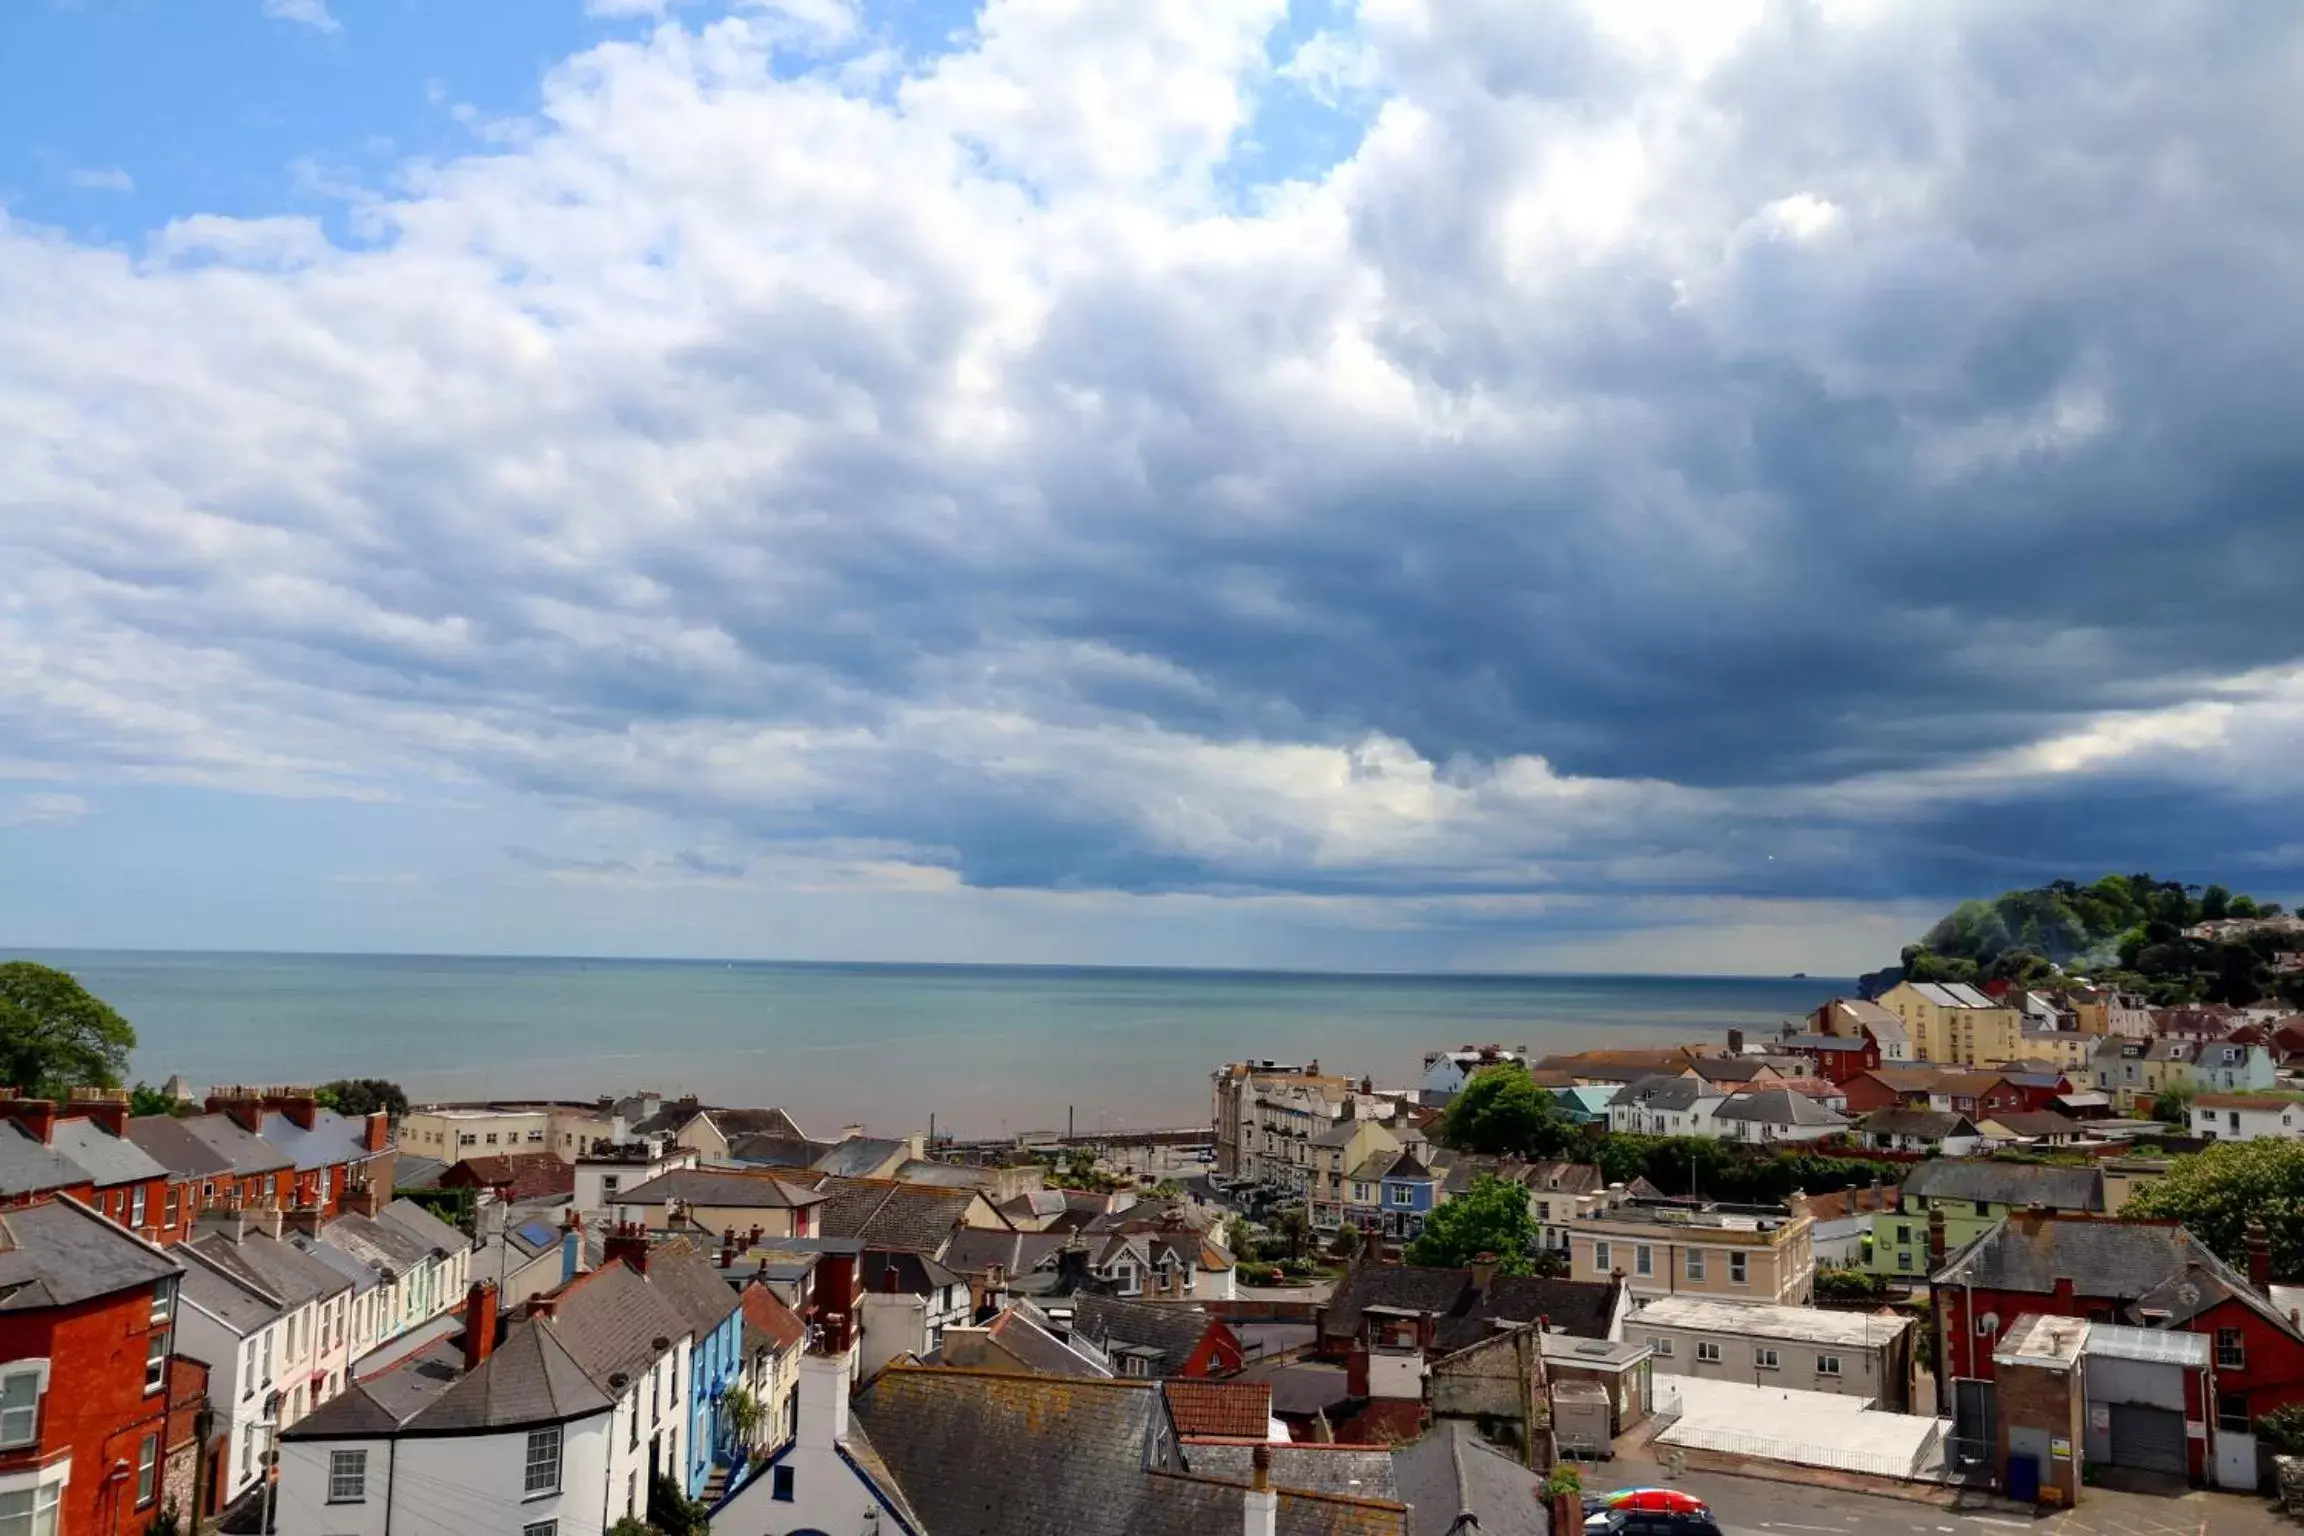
column 543, row 1462
column 1662, row 1347
column 1904, row 1262
column 271, row 1185
column 1707, row 1353
column 1400, row 1194
column 541, row 1528
column 1642, row 1263
column 156, row 1360
column 491, row 1138
column 20, row 1391
column 2232, row 1412
column 1695, row 1263
column 1827, row 1365
column 2231, row 1353
column 609, row 1183
column 780, row 1484
column 1764, row 1359
column 136, row 1207
column 1543, row 1210
column 632, row 1436
column 631, row 1494
column 1600, row 1257
column 1736, row 1270
column 163, row 1301
column 168, row 1206
column 147, row 1470
column 347, row 1477
column 1983, row 1207
column 31, row 1511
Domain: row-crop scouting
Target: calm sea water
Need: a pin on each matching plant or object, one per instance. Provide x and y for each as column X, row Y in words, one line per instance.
column 986, row 1049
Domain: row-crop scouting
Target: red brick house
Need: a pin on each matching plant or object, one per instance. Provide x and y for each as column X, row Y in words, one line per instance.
column 514, row 1176
column 87, row 1326
column 1892, row 1088
column 1834, row 1058
column 89, row 1137
column 1977, row 1095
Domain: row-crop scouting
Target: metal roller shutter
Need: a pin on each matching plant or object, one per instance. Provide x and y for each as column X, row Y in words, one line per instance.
column 2148, row 1438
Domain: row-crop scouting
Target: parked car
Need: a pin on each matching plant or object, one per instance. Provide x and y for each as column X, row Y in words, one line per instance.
column 1649, row 1522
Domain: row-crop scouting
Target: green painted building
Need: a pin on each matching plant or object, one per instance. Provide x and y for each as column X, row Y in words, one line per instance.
column 1973, row 1195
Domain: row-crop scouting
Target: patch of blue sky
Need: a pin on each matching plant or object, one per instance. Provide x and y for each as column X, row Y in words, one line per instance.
column 117, row 116
column 1313, row 110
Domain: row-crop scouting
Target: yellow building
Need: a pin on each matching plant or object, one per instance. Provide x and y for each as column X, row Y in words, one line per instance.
column 1953, row 1022
column 1678, row 1248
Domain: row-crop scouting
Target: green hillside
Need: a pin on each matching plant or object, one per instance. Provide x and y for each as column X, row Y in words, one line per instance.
column 2123, row 930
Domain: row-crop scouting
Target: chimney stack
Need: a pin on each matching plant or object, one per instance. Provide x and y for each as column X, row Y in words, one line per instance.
column 107, row 1107
column 1735, row 1042
column 2259, row 1257
column 728, row 1249
column 628, row 1244
column 572, row 1247
column 306, row 1219
column 1935, row 1238
column 1260, row 1506
column 36, row 1116
column 479, row 1323
column 301, row 1108
column 1372, row 1246
column 270, row 1220
column 1483, row 1273
column 377, row 1134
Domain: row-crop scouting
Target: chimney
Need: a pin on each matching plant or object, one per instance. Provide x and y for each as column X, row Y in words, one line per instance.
column 823, row 1406
column 269, row 1221
column 378, row 1132
column 229, row 1225
column 2259, row 1257
column 107, row 1107
column 572, row 1247
column 1260, row 1506
column 1935, row 1238
column 306, row 1219
column 245, row 1109
column 36, row 1116
column 479, row 1323
column 756, row 1231
column 628, row 1245
column 728, row 1249
column 301, row 1108
column 1483, row 1273
column 916, row 1146
column 1372, row 1246
column 1735, row 1042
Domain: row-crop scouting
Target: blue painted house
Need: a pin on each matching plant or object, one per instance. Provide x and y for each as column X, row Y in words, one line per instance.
column 1409, row 1190
column 715, row 1318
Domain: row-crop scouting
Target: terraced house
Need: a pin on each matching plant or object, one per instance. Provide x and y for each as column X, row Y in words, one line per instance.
column 1972, row 1198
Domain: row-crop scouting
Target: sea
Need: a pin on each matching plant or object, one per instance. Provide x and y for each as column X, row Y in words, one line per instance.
column 982, row 1050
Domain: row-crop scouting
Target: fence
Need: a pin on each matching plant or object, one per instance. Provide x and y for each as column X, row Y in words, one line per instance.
column 1667, row 1410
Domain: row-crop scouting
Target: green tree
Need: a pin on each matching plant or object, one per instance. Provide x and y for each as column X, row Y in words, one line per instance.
column 2216, row 1194
column 55, row 1035
column 1490, row 1217
column 1295, row 1228
column 743, row 1413
column 363, row 1096
column 673, row 1512
column 2172, row 1105
column 1501, row 1110
column 144, row 1099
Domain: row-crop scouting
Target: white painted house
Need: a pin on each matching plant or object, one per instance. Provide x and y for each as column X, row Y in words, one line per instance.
column 1666, row 1106
column 819, row 1482
column 238, row 1331
column 2246, row 1117
column 1446, row 1072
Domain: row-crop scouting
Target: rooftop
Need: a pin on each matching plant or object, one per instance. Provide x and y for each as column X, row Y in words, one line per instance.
column 2034, row 1339
column 1805, row 1325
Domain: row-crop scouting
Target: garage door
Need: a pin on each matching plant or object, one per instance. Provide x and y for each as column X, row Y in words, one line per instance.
column 2149, row 1438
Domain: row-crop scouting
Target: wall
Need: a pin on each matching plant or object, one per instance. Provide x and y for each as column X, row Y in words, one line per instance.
column 95, row 1408
column 451, row 1483
column 452, row 1138
column 1870, row 1373
column 1783, row 1272
column 2042, row 1407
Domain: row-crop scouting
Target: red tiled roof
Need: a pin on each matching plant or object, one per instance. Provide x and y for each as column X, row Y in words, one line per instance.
column 527, row 1175
column 766, row 1313
column 1240, row 1410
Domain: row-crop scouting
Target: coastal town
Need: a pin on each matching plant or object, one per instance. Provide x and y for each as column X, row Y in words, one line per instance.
column 1915, row 1248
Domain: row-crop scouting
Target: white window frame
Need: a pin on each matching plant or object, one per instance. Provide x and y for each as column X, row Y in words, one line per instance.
column 347, row 1477
column 1660, row 1348
column 538, row 1440
column 1600, row 1256
column 42, row 1513
column 1827, row 1365
column 136, row 1207
column 147, row 1471
column 1766, row 1359
column 1739, row 1271
column 37, row 1372
column 1707, row 1352
column 1695, row 1263
column 1643, row 1259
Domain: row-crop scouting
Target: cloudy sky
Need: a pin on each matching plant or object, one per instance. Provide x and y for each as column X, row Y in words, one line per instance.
column 1588, row 484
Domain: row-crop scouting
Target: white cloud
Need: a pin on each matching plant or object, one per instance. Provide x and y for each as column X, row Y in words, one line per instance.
column 309, row 13
column 106, row 179
column 42, row 810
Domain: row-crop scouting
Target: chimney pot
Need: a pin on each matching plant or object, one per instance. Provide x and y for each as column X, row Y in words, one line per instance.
column 2259, row 1257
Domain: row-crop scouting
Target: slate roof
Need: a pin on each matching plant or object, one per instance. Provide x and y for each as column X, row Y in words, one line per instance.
column 243, row 1151
column 887, row 1214
column 772, row 1150
column 273, row 1266
column 860, row 1156
column 1240, row 1409
column 2106, row 1260
column 1909, row 1079
column 1779, row 1106
column 1727, row 1069
column 334, row 1138
column 171, row 1143
column 1452, row 1471
column 695, row 1286
column 609, row 1319
column 1408, row 1168
column 973, row 1250
column 109, row 1159
column 922, row 1170
column 28, row 1168
column 226, row 1300
column 409, row 1217
column 987, row 1455
column 2012, row 1184
column 1338, row 1135
column 1353, row 1471
column 1024, row 1335
column 2038, row 1122
column 1954, row 994
column 529, row 1379
column 1929, row 1124
column 59, row 1253
column 410, row 1171
column 1174, row 1328
column 915, row 1274
column 1583, row 1308
column 722, row 1188
column 1373, row 1167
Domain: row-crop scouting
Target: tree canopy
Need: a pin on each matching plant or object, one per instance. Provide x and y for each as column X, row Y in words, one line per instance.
column 1501, row 1110
column 2172, row 1104
column 363, row 1096
column 55, row 1035
column 2216, row 1192
column 2127, row 930
column 1490, row 1217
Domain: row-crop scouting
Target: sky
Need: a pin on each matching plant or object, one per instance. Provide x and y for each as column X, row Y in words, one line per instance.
column 1626, row 485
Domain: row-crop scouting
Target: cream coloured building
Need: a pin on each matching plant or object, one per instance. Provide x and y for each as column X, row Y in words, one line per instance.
column 1702, row 1248
column 1953, row 1022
